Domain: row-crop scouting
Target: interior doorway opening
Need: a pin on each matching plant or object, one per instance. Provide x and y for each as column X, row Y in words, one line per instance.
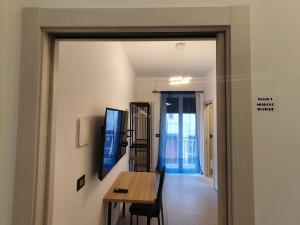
column 44, row 25
column 209, row 137
column 123, row 65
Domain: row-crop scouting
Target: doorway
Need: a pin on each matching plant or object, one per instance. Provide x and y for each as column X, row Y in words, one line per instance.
column 46, row 25
column 209, row 140
column 95, row 60
column 181, row 111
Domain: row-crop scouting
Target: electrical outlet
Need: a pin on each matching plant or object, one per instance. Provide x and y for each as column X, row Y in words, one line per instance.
column 80, row 182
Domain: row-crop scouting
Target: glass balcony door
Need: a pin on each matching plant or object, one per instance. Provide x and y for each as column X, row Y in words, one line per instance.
column 181, row 153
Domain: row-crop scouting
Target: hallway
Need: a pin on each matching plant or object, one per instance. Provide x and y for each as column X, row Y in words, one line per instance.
column 188, row 200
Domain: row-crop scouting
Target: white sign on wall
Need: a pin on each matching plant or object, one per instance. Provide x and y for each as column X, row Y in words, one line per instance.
column 264, row 104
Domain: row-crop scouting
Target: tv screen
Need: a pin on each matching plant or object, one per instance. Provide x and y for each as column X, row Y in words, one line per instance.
column 114, row 140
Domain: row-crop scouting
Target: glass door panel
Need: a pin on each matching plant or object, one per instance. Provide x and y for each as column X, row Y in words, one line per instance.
column 181, row 134
column 172, row 136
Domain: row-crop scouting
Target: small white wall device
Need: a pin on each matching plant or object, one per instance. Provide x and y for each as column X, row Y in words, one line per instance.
column 83, row 131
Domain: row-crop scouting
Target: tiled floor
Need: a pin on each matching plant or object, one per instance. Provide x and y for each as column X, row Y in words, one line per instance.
column 188, row 200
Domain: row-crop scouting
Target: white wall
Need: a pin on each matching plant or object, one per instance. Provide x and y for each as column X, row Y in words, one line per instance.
column 211, row 94
column 91, row 77
column 275, row 71
column 145, row 86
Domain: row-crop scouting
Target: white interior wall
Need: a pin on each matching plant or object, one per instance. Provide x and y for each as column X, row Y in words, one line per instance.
column 91, row 77
column 211, row 95
column 275, row 71
column 145, row 86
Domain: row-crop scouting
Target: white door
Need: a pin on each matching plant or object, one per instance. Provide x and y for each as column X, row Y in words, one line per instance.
column 208, row 135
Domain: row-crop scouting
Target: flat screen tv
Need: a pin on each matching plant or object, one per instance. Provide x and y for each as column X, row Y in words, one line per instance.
column 114, row 141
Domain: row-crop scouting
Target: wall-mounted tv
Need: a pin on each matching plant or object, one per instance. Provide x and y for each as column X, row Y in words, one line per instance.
column 114, row 140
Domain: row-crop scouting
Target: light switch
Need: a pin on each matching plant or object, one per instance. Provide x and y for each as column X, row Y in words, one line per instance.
column 83, row 131
column 80, row 182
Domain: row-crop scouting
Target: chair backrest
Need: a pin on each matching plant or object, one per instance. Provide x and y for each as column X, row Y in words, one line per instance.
column 160, row 186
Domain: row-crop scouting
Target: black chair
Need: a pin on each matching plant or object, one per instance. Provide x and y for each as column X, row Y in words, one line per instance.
column 150, row 210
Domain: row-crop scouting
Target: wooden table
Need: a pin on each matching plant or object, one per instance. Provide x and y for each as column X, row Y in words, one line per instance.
column 141, row 189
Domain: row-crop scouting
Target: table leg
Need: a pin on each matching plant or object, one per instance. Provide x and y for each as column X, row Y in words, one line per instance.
column 124, row 209
column 109, row 214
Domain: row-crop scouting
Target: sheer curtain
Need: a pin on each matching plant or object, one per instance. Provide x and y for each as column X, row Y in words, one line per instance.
column 179, row 141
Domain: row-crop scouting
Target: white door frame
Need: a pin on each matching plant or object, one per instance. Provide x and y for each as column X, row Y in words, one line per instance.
column 40, row 28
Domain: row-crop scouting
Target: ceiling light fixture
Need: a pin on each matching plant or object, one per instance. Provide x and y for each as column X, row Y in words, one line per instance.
column 177, row 78
column 175, row 83
column 180, row 80
column 180, row 46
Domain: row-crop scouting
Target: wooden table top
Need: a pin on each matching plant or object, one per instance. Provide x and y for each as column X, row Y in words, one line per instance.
column 141, row 188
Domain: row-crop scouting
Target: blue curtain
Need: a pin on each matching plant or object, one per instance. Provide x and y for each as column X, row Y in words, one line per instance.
column 178, row 143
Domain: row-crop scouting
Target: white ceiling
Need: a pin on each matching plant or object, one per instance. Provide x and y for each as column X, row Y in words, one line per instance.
column 162, row 59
